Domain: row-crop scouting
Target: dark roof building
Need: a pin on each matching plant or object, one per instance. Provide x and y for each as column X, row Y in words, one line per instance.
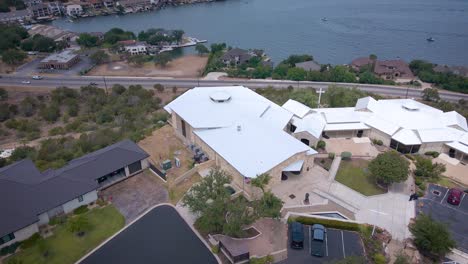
column 27, row 193
column 236, row 56
column 309, row 65
column 393, row 69
column 358, row 63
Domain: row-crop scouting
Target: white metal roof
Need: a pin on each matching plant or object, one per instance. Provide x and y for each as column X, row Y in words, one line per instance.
column 446, row 134
column 455, row 119
column 295, row 166
column 366, row 103
column 387, row 127
column 254, row 149
column 346, row 126
column 296, row 108
column 407, row 137
column 458, row 146
column 312, row 123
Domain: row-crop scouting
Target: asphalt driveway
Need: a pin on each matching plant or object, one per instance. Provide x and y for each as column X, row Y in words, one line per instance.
column 339, row 244
column 435, row 204
column 160, row 236
column 136, row 194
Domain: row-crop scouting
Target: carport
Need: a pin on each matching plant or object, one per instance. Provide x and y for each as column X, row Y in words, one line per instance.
column 292, row 169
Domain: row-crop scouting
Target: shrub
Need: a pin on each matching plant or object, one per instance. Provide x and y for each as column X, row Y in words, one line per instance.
column 327, row 223
column 418, row 181
column 265, row 260
column 346, row 155
column 410, row 157
column 377, row 142
column 434, row 154
column 31, row 241
column 56, row 131
column 420, row 193
column 159, row 87
column 379, row 259
column 389, row 167
column 215, row 249
column 422, row 187
column 331, row 155
column 101, row 202
column 321, row 144
column 81, row 210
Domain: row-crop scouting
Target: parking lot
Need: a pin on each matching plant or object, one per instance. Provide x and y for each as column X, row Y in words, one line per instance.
column 338, row 245
column 435, row 204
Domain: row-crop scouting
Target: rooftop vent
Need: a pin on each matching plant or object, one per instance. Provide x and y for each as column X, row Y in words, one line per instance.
column 220, row 97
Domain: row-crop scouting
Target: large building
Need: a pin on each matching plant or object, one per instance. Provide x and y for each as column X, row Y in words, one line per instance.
column 402, row 124
column 242, row 131
column 60, row 61
column 30, row 198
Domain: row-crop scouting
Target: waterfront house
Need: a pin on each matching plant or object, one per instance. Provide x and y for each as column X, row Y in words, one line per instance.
column 136, row 48
column 359, row 63
column 393, row 69
column 74, row 10
column 39, row 11
column 236, row 56
column 31, row 198
column 30, row 3
column 243, row 132
column 56, row 8
column 52, row 32
column 309, row 65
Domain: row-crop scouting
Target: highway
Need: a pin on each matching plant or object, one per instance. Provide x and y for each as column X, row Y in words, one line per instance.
column 148, row 82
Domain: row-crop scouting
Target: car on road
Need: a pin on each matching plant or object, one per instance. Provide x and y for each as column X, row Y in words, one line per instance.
column 454, row 196
column 37, row 77
column 93, row 83
column 25, row 82
column 297, row 235
column 317, row 243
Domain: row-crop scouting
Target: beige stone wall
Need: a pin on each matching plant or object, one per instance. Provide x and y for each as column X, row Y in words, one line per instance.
column 346, row 133
column 438, row 146
column 312, row 140
column 176, row 121
column 377, row 134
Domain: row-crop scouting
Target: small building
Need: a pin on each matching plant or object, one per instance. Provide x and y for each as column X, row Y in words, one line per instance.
column 40, row 11
column 309, row 65
column 60, row 61
column 31, row 198
column 52, row 32
column 393, row 69
column 56, row 8
column 236, row 56
column 136, row 48
column 74, row 10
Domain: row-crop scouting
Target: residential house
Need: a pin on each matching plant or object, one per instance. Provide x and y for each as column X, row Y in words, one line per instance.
column 31, row 198
column 236, row 56
column 40, row 11
column 393, row 69
column 56, row 8
column 457, row 70
column 74, row 10
column 309, row 65
column 96, row 3
column 412, row 127
column 63, row 60
column 359, row 63
column 243, row 132
column 30, row 3
column 52, row 32
column 136, row 48
column 108, row 3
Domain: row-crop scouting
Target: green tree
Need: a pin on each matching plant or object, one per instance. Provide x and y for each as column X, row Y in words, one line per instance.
column 293, row 59
column 430, row 237
column 23, row 153
column 39, row 43
column 50, row 113
column 296, row 74
column 99, row 57
column 342, row 97
column 3, row 94
column 430, row 95
column 87, row 40
column 159, row 87
column 4, row 112
column 217, row 47
column 178, row 34
column 389, row 167
column 306, row 96
column 427, row 169
column 281, row 71
column 13, row 57
column 261, row 181
column 341, row 73
column 201, row 49
column 28, row 106
column 162, row 59
column 237, row 217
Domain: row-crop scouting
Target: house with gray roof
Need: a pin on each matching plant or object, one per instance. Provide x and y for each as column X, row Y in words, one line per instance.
column 236, row 56
column 309, row 65
column 31, row 198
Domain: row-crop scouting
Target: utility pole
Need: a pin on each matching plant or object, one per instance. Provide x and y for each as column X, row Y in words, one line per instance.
column 407, row 90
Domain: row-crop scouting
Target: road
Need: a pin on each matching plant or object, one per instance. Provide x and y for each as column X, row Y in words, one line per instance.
column 148, row 82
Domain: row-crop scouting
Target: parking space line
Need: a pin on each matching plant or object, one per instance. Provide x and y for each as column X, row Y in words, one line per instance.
column 342, row 242
column 461, row 200
column 310, row 241
column 326, row 244
column 446, row 192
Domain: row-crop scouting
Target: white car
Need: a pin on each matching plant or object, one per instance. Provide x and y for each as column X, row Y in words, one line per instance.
column 25, row 82
column 37, row 77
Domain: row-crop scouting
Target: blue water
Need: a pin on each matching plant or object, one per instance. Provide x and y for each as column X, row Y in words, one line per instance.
column 390, row 29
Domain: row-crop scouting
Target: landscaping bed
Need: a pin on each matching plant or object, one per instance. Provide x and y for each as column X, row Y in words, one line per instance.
column 353, row 173
column 324, row 162
column 66, row 247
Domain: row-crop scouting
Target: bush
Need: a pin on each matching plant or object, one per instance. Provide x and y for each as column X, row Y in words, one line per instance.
column 346, row 155
column 389, row 167
column 377, row 142
column 81, row 210
column 331, row 155
column 101, row 202
column 265, row 260
column 31, row 241
column 56, row 131
column 58, row 220
column 379, row 259
column 321, row 144
column 422, row 187
column 410, row 157
column 418, row 181
column 326, row 222
column 215, row 249
column 434, row 154
column 9, row 249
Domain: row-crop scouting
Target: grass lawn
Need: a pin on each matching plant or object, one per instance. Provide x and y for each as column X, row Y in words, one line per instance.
column 353, row 174
column 176, row 191
column 447, row 182
column 66, row 247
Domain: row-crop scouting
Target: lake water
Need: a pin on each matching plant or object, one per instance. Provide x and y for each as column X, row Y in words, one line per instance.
column 388, row 28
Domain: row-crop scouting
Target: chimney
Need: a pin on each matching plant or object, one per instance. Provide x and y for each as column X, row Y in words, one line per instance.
column 239, row 128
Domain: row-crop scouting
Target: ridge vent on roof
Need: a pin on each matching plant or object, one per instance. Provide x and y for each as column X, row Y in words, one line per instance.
column 220, row 97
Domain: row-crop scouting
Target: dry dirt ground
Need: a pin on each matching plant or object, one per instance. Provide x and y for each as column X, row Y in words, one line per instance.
column 186, row 66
